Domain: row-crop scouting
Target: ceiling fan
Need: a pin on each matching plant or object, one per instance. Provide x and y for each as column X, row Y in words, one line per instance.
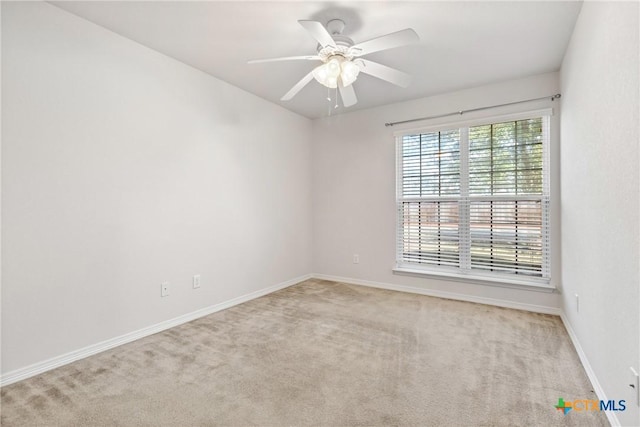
column 342, row 59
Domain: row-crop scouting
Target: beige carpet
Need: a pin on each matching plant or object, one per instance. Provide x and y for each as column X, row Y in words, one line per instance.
column 323, row 354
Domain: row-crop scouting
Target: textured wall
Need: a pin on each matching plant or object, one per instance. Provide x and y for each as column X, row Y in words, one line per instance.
column 354, row 186
column 600, row 193
column 123, row 168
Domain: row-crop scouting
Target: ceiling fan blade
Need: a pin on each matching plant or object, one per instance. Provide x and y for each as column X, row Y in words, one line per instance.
column 383, row 72
column 285, row 58
column 318, row 32
column 348, row 95
column 389, row 41
column 297, row 87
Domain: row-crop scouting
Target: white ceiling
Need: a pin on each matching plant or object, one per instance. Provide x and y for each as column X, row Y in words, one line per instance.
column 463, row 44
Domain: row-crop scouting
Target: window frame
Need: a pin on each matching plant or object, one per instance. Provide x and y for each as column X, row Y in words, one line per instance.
column 473, row 275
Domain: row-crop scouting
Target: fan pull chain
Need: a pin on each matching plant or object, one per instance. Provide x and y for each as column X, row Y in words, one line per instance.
column 328, row 94
column 336, row 94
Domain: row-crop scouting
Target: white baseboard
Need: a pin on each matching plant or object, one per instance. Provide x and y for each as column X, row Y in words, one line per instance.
column 55, row 362
column 444, row 294
column 597, row 388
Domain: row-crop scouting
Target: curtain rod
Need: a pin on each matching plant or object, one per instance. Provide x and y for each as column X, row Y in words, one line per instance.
column 461, row 112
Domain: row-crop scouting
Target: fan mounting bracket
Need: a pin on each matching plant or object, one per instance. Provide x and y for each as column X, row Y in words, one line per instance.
column 335, row 26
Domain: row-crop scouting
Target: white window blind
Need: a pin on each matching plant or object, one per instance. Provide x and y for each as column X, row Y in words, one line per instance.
column 475, row 199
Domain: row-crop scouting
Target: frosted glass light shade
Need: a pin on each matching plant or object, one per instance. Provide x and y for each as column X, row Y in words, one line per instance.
column 333, row 68
column 328, row 74
column 320, row 73
column 349, row 73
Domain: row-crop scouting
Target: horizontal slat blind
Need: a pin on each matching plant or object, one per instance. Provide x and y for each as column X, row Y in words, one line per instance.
column 428, row 229
column 506, row 158
column 506, row 236
column 430, row 233
column 482, row 209
column 431, row 164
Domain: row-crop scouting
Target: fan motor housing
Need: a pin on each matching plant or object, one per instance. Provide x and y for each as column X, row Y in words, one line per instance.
column 343, row 43
column 328, row 52
column 335, row 27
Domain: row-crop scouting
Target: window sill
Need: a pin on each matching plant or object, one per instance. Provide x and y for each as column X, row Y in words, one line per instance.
column 530, row 285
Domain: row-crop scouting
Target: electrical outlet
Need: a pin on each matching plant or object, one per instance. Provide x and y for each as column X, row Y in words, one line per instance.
column 577, row 303
column 164, row 289
column 356, row 259
column 196, row 281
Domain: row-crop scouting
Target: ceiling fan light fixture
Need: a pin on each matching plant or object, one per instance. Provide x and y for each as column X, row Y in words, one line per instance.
column 349, row 73
column 327, row 74
column 338, row 53
column 321, row 74
column 333, row 67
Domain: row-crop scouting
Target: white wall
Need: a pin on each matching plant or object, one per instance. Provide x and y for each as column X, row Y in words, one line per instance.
column 354, row 187
column 600, row 193
column 122, row 168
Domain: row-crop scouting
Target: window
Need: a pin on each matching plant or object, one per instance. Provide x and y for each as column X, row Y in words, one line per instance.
column 474, row 200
